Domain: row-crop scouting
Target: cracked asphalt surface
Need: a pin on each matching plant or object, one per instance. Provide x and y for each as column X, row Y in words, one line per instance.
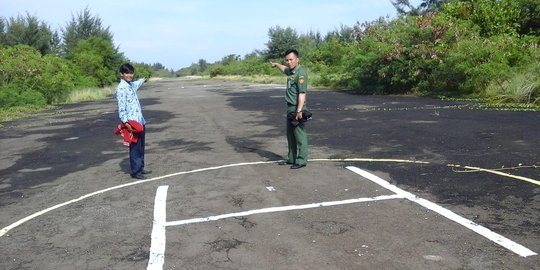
column 61, row 155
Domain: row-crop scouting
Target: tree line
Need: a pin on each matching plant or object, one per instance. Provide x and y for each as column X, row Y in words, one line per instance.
column 40, row 66
column 487, row 49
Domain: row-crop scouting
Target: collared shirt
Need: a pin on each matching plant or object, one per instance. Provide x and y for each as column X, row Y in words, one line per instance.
column 129, row 107
column 297, row 81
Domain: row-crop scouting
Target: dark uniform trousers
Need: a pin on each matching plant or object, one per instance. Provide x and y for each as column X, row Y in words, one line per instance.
column 297, row 141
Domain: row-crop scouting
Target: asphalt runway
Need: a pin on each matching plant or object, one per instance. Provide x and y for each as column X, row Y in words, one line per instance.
column 393, row 182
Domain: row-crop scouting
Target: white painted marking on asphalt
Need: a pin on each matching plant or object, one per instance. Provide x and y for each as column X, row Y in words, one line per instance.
column 369, row 160
column 6, row 229
column 35, row 170
column 157, row 246
column 497, row 238
column 271, row 188
column 71, row 138
column 282, row 209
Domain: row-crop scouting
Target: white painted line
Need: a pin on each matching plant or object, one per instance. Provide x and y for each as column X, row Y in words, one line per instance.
column 497, row 238
column 6, row 229
column 282, row 209
column 157, row 246
column 370, row 160
column 381, row 182
column 35, row 170
column 271, row 188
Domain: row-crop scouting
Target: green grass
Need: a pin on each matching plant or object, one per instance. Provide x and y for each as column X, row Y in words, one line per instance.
column 89, row 94
column 516, row 90
column 14, row 113
column 76, row 96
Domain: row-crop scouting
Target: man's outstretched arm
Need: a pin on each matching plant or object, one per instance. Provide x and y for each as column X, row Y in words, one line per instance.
column 280, row 66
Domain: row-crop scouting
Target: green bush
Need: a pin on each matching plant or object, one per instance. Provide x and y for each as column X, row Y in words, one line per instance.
column 250, row 66
column 58, row 78
column 435, row 72
column 20, row 64
column 28, row 78
column 141, row 71
column 494, row 17
column 97, row 58
column 327, row 62
column 521, row 85
column 10, row 97
column 383, row 61
column 216, row 70
column 20, row 71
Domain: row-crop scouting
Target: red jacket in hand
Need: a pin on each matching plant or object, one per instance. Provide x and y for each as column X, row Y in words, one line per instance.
column 129, row 137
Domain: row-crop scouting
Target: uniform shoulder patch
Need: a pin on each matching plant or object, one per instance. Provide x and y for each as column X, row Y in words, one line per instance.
column 301, row 80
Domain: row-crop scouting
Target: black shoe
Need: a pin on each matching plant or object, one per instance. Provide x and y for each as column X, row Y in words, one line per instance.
column 284, row 162
column 146, row 172
column 297, row 166
column 138, row 176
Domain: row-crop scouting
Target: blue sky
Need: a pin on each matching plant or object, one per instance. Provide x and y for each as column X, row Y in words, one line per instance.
column 179, row 33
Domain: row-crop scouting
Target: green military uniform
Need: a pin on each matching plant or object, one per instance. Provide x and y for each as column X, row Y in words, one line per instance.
column 297, row 81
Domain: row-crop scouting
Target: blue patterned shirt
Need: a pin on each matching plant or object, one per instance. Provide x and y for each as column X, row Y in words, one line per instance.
column 129, row 107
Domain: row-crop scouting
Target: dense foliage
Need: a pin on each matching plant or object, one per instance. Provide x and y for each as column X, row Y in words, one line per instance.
column 39, row 66
column 459, row 48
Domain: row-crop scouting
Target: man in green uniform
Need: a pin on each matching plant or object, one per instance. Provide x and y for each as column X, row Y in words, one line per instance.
column 295, row 95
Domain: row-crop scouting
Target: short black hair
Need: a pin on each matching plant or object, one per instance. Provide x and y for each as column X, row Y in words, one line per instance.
column 127, row 68
column 292, row 51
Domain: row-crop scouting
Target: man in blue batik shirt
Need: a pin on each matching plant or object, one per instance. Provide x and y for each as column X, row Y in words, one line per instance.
column 129, row 108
